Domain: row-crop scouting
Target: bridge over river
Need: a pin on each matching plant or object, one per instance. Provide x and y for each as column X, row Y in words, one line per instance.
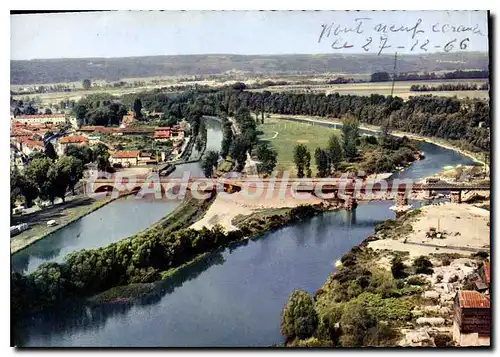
column 348, row 190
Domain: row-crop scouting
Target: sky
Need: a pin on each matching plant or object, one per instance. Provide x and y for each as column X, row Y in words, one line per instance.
column 148, row 33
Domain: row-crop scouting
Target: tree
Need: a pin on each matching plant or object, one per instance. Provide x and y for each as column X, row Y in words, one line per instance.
column 17, row 112
column 137, row 108
column 86, row 84
column 322, row 162
column 23, row 185
column 350, row 135
column 37, row 171
column 355, row 323
column 227, row 138
column 267, row 158
column 302, row 160
column 72, row 169
column 50, row 152
column 209, row 162
column 83, row 153
column 334, row 152
column 385, row 140
column 238, row 152
column 58, row 179
column 48, row 111
column 298, row 318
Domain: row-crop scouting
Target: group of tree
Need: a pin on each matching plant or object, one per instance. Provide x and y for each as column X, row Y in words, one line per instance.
column 47, row 178
column 449, row 87
column 426, row 76
column 99, row 109
column 327, row 160
column 361, row 305
column 209, row 162
column 246, row 138
column 138, row 259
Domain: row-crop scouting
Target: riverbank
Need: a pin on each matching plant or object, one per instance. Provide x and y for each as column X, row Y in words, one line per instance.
column 397, row 287
column 436, row 141
column 64, row 214
column 248, row 226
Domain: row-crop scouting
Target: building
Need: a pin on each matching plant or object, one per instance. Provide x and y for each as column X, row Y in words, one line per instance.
column 30, row 146
column 162, row 134
column 125, row 158
column 42, row 118
column 64, row 142
column 472, row 318
column 146, row 158
column 177, row 132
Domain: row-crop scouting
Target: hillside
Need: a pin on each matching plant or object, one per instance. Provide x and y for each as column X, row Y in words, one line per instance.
column 113, row 69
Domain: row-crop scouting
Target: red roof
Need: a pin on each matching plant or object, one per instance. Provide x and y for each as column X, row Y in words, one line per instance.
column 33, row 144
column 161, row 134
column 473, row 299
column 126, row 154
column 486, row 269
column 20, row 132
column 74, row 139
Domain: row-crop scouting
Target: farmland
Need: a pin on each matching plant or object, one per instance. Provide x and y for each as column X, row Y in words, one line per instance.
column 401, row 88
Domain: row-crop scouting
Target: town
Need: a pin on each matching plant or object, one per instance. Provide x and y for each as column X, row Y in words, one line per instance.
column 331, row 200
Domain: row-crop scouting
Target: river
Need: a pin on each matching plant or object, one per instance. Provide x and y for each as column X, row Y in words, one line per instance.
column 233, row 297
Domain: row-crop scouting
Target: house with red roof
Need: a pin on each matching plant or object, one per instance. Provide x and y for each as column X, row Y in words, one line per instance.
column 471, row 318
column 29, row 146
column 162, row 134
column 64, row 142
column 125, row 158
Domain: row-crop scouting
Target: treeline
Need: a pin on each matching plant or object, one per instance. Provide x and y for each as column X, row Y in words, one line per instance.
column 386, row 76
column 449, row 87
column 442, row 117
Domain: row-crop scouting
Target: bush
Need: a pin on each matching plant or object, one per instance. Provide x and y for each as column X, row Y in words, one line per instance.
column 481, row 255
column 453, row 279
column 439, row 278
column 398, row 268
column 355, row 322
column 416, row 280
column 423, row 265
column 298, row 318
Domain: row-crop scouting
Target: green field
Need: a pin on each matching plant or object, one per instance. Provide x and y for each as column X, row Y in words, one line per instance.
column 291, row 134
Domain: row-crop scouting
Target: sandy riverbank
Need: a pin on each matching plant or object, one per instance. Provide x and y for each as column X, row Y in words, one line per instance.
column 226, row 207
column 465, row 227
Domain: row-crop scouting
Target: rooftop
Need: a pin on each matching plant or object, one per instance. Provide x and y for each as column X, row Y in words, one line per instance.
column 74, row 139
column 126, row 154
column 473, row 299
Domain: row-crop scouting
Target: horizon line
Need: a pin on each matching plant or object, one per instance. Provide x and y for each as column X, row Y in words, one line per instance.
column 257, row 55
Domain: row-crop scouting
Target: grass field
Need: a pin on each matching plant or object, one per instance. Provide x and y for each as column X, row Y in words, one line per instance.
column 291, row 134
column 401, row 89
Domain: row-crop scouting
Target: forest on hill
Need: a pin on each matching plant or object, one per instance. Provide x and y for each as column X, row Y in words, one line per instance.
column 43, row 71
